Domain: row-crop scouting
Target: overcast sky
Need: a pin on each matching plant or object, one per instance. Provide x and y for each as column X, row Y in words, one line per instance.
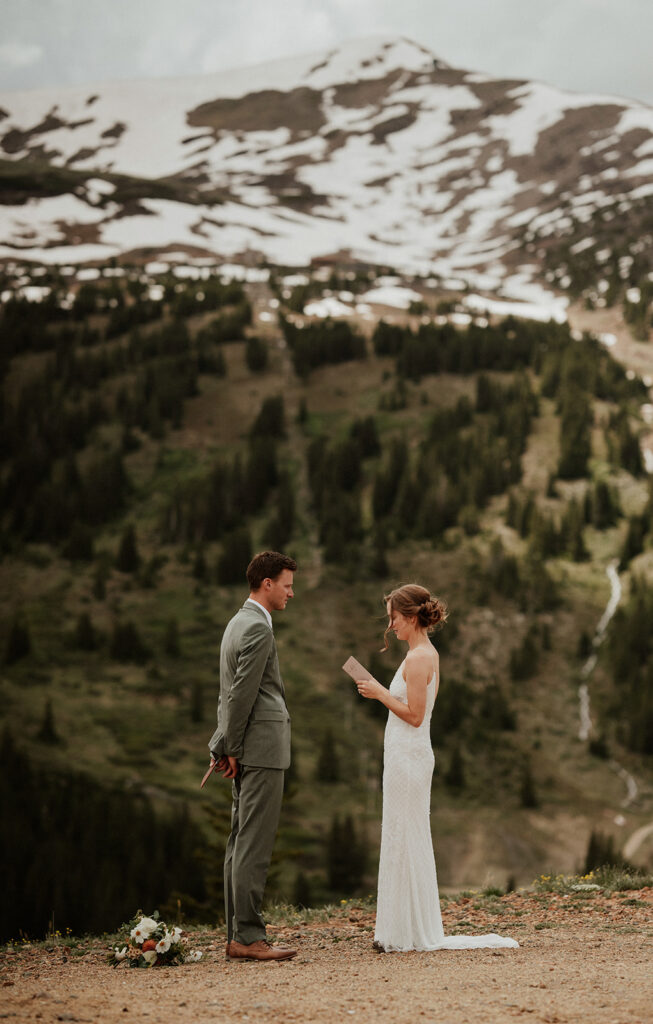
column 586, row 45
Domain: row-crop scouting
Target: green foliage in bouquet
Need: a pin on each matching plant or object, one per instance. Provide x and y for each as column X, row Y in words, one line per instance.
column 148, row 942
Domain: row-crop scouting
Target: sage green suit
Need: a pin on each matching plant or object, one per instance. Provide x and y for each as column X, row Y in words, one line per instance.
column 254, row 727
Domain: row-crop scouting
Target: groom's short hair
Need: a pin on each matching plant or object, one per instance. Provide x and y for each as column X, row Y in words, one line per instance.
column 267, row 565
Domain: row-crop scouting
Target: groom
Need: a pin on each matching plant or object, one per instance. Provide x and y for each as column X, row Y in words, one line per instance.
column 251, row 746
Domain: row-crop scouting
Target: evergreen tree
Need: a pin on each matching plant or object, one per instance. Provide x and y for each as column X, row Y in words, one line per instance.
column 301, row 891
column 19, row 642
column 584, row 645
column 572, row 532
column 604, row 506
column 126, row 643
column 256, row 354
column 79, row 546
column 495, row 712
column 47, row 731
column 523, row 659
column 633, row 544
column 172, row 645
column 346, row 856
column 128, row 558
column 601, row 852
column 327, row 768
column 200, row 568
column 235, row 556
column 302, row 412
column 197, row 702
column 455, row 776
column 85, row 635
column 270, row 421
column 598, row 747
column 527, row 792
column 379, row 563
column 100, row 581
column 575, row 428
column 138, row 857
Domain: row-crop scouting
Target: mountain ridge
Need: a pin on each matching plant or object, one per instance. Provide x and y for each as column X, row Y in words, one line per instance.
column 377, row 150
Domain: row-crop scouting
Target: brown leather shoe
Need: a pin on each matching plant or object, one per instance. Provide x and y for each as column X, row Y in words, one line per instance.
column 260, row 950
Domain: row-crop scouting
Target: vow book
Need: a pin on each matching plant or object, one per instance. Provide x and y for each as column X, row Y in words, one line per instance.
column 354, row 669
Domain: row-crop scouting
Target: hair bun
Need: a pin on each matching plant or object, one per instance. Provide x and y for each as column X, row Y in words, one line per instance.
column 431, row 612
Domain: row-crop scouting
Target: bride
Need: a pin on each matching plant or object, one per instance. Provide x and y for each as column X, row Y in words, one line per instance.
column 408, row 904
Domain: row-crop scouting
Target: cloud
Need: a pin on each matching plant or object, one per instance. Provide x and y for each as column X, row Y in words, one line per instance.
column 20, row 55
column 587, row 45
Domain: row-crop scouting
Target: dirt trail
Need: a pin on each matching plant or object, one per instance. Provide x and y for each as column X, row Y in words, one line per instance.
column 584, row 959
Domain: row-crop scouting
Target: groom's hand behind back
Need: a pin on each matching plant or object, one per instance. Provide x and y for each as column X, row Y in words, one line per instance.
column 228, row 767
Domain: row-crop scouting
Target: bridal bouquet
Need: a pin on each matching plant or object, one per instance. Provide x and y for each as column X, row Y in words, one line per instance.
column 148, row 942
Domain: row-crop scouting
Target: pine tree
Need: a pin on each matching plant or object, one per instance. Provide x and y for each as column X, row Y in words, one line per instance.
column 47, row 732
column 235, row 556
column 197, row 702
column 327, row 768
column 301, row 891
column 379, row 563
column 79, row 546
column 523, row 659
column 633, row 544
column 200, row 568
column 126, row 644
column 100, row 582
column 128, row 558
column 455, row 776
column 85, row 635
column 19, row 642
column 584, row 648
column 346, row 856
column 256, row 354
column 601, row 852
column 302, row 412
column 270, row 421
column 172, row 646
column 527, row 792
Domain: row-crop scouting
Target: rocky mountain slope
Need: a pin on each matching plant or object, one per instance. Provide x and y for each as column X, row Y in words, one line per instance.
column 377, row 152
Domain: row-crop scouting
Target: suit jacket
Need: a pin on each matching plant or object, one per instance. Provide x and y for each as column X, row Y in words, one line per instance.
column 253, row 719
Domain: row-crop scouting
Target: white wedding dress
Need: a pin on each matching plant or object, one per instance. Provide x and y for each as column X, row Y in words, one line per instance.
column 408, row 903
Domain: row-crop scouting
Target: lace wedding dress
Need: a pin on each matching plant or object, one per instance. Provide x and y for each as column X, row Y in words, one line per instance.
column 408, row 903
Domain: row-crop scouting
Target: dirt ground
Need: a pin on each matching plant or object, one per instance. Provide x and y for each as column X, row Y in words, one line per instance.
column 582, row 958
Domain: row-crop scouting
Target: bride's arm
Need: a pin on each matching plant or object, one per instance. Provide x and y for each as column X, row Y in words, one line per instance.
column 419, row 669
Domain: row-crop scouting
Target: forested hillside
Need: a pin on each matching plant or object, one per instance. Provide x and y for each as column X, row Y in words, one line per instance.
column 155, row 433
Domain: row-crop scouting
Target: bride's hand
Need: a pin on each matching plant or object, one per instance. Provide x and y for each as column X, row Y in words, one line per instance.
column 369, row 688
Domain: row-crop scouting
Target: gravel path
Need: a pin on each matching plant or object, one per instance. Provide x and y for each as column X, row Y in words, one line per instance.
column 583, row 958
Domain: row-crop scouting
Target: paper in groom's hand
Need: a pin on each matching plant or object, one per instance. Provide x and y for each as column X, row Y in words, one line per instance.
column 209, row 770
column 354, row 669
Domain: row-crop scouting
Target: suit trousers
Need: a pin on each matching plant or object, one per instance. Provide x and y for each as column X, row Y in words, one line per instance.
column 257, row 794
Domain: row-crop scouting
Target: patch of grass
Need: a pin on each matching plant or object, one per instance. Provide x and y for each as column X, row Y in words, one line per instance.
column 608, row 879
column 287, row 915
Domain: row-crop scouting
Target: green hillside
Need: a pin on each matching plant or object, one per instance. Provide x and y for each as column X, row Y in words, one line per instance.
column 152, row 440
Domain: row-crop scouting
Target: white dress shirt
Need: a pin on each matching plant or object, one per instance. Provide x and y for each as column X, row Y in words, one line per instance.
column 250, row 600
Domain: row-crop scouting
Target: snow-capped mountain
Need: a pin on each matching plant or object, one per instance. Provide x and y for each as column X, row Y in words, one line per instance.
column 377, row 151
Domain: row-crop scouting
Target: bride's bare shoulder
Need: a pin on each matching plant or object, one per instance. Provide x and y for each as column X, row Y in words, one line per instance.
column 421, row 658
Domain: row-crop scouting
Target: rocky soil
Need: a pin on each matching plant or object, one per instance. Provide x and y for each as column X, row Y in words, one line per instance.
column 583, row 957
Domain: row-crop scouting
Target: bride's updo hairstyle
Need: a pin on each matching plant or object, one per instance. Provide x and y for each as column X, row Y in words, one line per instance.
column 415, row 602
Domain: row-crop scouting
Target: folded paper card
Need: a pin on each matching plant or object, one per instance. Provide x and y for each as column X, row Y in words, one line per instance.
column 354, row 669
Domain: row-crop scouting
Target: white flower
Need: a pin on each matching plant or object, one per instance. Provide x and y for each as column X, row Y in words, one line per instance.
column 194, row 956
column 163, row 945
column 149, row 956
column 176, row 934
column 143, row 929
column 121, row 953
